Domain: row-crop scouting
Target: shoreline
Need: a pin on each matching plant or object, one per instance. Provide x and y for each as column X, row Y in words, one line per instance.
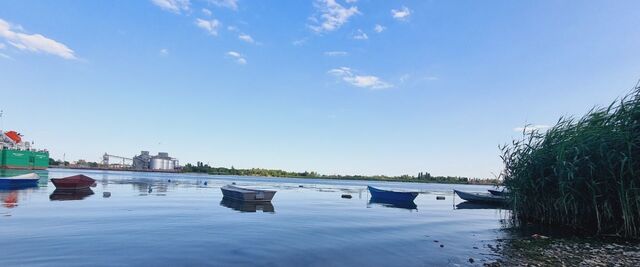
column 284, row 177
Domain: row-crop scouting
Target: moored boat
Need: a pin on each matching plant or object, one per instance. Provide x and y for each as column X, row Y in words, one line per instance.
column 501, row 193
column 481, row 197
column 75, row 182
column 30, row 179
column 393, row 195
column 247, row 194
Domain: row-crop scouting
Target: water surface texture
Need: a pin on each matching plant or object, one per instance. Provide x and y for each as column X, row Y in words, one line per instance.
column 154, row 219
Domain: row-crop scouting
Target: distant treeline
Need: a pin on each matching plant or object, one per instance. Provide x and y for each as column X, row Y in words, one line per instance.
column 422, row 177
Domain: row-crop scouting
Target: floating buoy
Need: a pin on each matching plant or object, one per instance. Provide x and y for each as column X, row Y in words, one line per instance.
column 440, row 197
column 233, row 183
column 205, row 183
column 346, row 196
column 106, row 194
column 300, row 186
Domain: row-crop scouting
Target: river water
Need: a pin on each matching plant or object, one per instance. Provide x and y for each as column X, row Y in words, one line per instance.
column 154, row 219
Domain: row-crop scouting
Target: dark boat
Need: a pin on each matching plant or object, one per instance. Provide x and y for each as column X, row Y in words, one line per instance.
column 246, row 194
column 481, row 197
column 75, row 182
column 246, row 206
column 20, row 181
column 409, row 205
column 392, row 195
column 502, row 193
column 62, row 194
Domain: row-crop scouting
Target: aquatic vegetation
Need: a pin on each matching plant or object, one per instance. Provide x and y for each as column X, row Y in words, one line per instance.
column 583, row 172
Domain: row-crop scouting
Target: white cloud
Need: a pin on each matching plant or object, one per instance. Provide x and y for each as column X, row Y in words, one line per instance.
column 2, row 55
column 332, row 15
column 379, row 28
column 3, row 46
column 232, row 4
column 360, row 35
column 247, row 38
column 232, row 28
column 335, row 53
column 401, row 14
column 531, row 128
column 351, row 1
column 239, row 58
column 175, row 6
column 164, row 52
column 300, row 42
column 33, row 42
column 363, row 81
column 206, row 12
column 211, row 26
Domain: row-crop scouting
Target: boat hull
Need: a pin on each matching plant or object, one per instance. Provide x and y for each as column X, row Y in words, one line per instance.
column 481, row 198
column 381, row 194
column 76, row 182
column 246, row 194
column 27, row 180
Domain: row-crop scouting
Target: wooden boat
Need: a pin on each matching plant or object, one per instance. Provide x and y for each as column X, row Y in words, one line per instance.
column 392, row 195
column 75, row 182
column 481, row 197
column 246, row 194
column 502, row 193
column 30, row 179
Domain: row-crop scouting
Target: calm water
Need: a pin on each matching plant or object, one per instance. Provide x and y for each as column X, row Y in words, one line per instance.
column 151, row 221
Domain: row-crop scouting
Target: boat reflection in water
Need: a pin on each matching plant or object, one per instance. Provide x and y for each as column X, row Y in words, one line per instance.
column 64, row 194
column 466, row 205
column 246, row 206
column 409, row 205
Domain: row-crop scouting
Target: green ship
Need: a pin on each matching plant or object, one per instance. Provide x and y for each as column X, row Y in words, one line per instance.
column 16, row 154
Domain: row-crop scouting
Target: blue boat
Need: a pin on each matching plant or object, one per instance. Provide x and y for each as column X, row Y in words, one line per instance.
column 392, row 195
column 25, row 180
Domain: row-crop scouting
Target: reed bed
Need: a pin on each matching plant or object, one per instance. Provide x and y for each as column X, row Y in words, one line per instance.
column 583, row 173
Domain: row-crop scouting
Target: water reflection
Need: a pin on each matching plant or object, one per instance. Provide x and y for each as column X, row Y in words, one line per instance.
column 245, row 206
column 62, row 195
column 409, row 205
column 476, row 206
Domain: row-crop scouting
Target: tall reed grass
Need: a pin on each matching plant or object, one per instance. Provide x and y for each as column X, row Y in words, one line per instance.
column 583, row 172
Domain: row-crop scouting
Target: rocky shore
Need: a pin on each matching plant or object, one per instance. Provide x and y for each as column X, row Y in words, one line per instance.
column 544, row 251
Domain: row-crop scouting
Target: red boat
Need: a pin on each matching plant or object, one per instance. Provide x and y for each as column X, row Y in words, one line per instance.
column 73, row 182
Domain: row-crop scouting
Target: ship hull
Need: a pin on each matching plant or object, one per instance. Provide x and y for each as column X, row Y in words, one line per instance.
column 23, row 159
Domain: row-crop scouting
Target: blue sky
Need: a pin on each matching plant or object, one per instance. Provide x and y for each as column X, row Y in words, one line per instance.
column 349, row 87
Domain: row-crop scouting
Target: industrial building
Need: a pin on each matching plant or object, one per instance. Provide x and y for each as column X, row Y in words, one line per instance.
column 162, row 161
column 144, row 161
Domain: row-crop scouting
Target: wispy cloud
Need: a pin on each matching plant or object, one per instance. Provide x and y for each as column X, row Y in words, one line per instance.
column 164, row 52
column 38, row 43
column 379, row 28
column 211, row 26
column 335, row 53
column 247, row 38
column 362, row 81
column 360, row 35
column 300, row 42
column 239, row 58
column 3, row 46
column 206, row 12
column 531, row 128
column 232, row 4
column 3, row 55
column 401, row 14
column 332, row 15
column 175, row 6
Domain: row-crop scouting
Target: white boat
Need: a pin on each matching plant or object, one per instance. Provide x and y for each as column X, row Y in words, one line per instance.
column 481, row 197
column 246, row 194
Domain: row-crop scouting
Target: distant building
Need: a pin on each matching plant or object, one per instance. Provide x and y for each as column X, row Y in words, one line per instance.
column 162, row 161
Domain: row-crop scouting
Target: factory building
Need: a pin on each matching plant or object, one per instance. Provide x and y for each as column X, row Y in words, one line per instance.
column 162, row 161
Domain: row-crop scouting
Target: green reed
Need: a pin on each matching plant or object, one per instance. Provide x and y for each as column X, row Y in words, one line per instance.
column 583, row 172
